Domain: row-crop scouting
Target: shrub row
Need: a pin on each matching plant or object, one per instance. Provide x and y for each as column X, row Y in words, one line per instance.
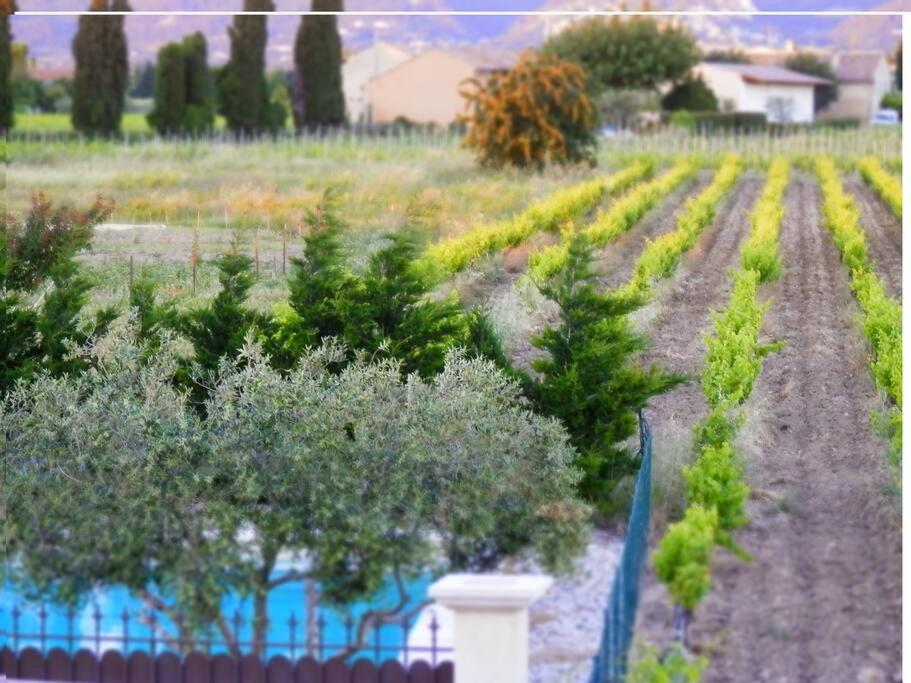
column 661, row 256
column 715, row 485
column 886, row 185
column 620, row 217
column 454, row 255
column 882, row 316
column 761, row 250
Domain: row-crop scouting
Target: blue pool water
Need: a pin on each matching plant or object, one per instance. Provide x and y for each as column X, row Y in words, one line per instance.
column 98, row 624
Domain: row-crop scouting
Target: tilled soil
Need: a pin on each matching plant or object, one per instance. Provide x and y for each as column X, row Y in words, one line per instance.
column 821, row 600
column 884, row 235
column 616, row 260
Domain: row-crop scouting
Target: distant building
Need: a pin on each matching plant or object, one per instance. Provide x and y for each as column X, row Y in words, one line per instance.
column 426, row 89
column 784, row 96
column 362, row 67
column 863, row 78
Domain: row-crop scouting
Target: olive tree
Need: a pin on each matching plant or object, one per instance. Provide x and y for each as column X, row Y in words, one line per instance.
column 112, row 477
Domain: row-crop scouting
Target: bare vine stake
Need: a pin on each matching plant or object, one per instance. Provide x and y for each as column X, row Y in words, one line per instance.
column 256, row 249
column 284, row 249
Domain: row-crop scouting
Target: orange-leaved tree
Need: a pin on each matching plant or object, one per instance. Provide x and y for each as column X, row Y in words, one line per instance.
column 536, row 113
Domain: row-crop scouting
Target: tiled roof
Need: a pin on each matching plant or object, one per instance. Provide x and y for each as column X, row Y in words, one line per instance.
column 772, row 75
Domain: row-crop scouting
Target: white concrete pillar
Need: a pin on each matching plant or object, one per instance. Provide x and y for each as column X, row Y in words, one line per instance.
column 490, row 624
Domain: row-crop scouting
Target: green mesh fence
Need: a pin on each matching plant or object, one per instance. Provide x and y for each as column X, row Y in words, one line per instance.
column 620, row 614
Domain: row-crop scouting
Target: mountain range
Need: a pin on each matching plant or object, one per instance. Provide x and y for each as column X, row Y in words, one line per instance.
column 49, row 37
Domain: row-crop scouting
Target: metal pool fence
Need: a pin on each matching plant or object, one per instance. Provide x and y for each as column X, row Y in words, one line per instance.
column 620, row 615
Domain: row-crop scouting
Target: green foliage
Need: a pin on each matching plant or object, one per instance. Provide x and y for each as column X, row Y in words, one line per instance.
column 102, row 70
column 881, row 315
column 898, row 68
column 673, row 666
column 113, row 478
column 7, row 7
column 810, row 64
column 761, row 250
column 734, row 356
column 619, row 217
column 634, row 52
column 887, row 186
column 550, row 214
column 691, row 94
column 318, row 96
column 661, row 256
column 682, row 560
column 218, row 330
column 183, row 88
column 737, row 121
column 591, row 380
column 42, row 292
column 729, row 56
column 715, row 482
column 242, row 93
column 535, row 114
column 170, row 90
column 892, row 100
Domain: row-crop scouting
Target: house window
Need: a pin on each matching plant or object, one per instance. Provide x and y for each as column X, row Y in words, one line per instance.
column 780, row 109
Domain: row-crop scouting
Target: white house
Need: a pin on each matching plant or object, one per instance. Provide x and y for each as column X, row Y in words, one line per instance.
column 863, row 79
column 784, row 96
column 362, row 67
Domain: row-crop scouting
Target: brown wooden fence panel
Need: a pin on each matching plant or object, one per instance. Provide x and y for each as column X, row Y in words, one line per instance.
column 8, row 663
column 59, row 665
column 308, row 670
column 199, row 667
column 335, row 671
column 196, row 668
column 113, row 667
column 445, row 673
column 364, row 671
column 420, row 672
column 85, row 666
column 392, row 671
column 224, row 668
column 140, row 668
column 169, row 669
column 280, row 670
column 31, row 664
column 252, row 669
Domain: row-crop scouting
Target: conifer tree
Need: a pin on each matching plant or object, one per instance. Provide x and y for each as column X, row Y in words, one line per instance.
column 7, row 7
column 243, row 95
column 591, row 380
column 102, row 69
column 199, row 114
column 170, row 90
column 318, row 96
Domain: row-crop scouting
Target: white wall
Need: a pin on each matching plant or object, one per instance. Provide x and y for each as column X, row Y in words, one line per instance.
column 798, row 101
column 727, row 86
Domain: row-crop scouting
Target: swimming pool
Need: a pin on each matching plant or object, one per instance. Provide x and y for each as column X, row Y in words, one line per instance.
column 113, row 619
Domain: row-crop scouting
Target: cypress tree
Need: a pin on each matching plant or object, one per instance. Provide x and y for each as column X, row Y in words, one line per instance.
column 102, row 70
column 318, row 96
column 170, row 90
column 242, row 91
column 199, row 114
column 7, row 7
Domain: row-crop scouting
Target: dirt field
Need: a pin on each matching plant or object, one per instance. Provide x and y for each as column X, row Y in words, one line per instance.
column 884, row 235
column 821, row 600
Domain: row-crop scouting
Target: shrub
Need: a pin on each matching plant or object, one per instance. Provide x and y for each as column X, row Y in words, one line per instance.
column 536, row 113
column 591, row 379
column 738, row 121
column 761, row 250
column 674, row 666
column 682, row 560
column 549, row 214
column 886, row 185
column 660, row 257
column 620, row 217
column 691, row 94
